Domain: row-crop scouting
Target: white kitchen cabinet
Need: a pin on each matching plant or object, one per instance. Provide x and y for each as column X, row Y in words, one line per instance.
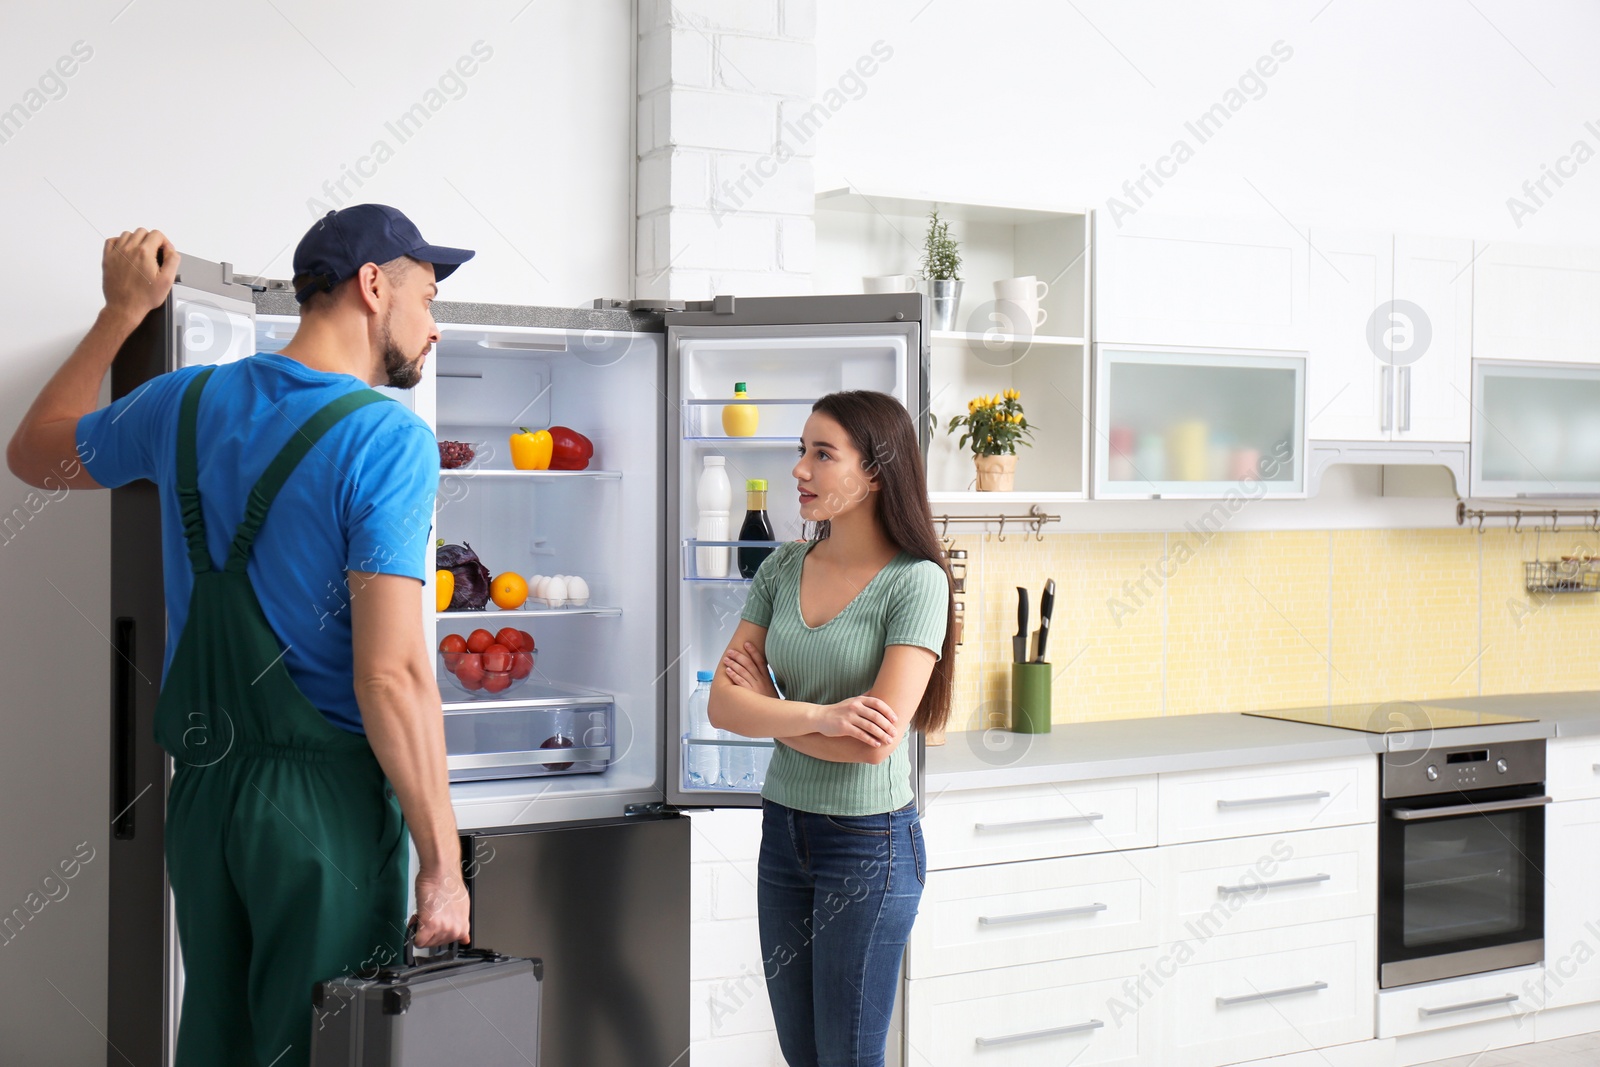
column 1475, row 998
column 1211, row 805
column 1536, row 429
column 1538, row 303
column 1005, row 914
column 1270, row 992
column 1200, row 282
column 1432, row 339
column 1572, row 903
column 963, row 829
column 1098, row 1010
column 1349, row 388
column 1255, row 883
column 1391, row 347
column 1572, row 768
column 1198, row 423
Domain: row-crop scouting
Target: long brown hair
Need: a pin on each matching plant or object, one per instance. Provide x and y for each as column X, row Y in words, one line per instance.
column 880, row 429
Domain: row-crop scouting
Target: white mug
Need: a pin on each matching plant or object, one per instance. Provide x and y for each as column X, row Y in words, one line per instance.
column 889, row 283
column 1024, row 290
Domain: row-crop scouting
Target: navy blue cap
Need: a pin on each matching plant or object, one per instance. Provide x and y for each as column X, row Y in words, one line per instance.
column 341, row 242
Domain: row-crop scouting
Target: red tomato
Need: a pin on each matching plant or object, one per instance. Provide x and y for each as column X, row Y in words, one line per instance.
column 510, row 638
column 453, row 643
column 478, row 640
column 452, row 661
column 521, row 665
column 469, row 661
column 496, row 681
column 497, row 658
column 527, row 641
column 472, row 682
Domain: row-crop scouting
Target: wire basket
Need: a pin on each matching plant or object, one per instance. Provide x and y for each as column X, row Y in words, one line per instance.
column 1569, row 574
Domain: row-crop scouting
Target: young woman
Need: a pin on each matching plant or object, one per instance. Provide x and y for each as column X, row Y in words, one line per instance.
column 857, row 627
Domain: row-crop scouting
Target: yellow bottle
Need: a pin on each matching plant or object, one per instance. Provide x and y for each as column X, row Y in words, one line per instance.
column 740, row 420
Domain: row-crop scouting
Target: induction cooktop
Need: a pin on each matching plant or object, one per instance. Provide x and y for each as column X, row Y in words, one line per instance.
column 1392, row 716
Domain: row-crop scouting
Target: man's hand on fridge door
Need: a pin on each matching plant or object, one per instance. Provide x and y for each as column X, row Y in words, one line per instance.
column 863, row 718
column 137, row 270
column 443, row 908
column 747, row 668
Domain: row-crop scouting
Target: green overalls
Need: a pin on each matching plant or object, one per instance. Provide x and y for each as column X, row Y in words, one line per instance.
column 284, row 842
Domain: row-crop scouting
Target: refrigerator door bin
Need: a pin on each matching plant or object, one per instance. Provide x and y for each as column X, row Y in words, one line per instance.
column 526, row 742
column 691, row 558
column 741, row 764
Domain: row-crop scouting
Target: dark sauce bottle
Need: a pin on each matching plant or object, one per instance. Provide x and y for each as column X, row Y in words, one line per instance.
column 757, row 527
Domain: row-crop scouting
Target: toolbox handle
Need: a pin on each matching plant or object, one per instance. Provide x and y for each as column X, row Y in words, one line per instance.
column 446, row 954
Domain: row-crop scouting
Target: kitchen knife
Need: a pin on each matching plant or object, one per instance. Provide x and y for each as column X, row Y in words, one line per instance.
column 1047, row 604
column 1019, row 643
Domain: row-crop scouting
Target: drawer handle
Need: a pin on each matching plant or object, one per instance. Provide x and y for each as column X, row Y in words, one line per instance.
column 1318, row 795
column 1035, row 1035
column 1597, row 768
column 1031, row 916
column 1091, row 817
column 1223, row 1002
column 1470, row 1004
column 1310, row 879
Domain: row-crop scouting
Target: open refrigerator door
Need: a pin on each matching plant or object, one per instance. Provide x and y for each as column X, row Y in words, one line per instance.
column 729, row 454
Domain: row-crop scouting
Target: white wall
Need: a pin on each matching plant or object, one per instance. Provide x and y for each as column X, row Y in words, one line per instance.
column 1422, row 116
column 217, row 123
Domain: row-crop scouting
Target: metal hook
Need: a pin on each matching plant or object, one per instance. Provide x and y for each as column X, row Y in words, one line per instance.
column 1002, row 535
column 1517, row 528
column 944, row 531
column 1480, row 522
column 1595, row 524
column 1555, row 520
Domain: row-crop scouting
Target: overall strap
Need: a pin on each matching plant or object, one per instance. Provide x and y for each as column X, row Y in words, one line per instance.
column 194, row 523
column 282, row 465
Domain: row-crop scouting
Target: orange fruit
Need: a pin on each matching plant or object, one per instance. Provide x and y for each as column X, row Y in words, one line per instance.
column 508, row 591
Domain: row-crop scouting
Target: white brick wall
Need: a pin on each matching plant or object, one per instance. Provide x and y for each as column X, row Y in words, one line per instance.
column 730, row 1020
column 724, row 205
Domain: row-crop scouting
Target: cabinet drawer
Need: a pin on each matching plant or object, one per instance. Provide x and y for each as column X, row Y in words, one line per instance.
column 1073, row 1012
column 1572, row 767
column 963, row 829
column 1014, row 913
column 1270, row 992
column 1457, row 1001
column 1253, row 883
column 1210, row 805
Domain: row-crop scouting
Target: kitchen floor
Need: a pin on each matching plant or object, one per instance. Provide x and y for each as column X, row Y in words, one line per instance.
column 1579, row 1050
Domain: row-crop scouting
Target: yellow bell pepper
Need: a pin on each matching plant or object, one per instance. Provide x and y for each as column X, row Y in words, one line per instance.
column 530, row 449
column 446, row 583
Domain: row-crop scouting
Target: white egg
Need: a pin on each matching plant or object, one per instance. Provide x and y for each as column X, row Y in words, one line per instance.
column 555, row 592
column 536, row 586
column 577, row 592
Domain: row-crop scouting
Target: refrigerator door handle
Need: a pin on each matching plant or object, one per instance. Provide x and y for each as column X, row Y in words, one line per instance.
column 123, row 730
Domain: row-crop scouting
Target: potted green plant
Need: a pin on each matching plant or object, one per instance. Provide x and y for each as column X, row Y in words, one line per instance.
column 941, row 262
column 993, row 427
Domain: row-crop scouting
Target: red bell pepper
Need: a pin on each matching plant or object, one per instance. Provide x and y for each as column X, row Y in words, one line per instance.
column 570, row 450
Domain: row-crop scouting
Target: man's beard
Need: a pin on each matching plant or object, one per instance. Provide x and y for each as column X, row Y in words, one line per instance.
column 402, row 373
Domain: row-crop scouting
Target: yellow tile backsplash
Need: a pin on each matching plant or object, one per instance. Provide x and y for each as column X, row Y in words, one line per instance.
column 1188, row 622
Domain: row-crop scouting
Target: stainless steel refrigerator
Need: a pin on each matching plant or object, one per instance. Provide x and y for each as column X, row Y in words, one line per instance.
column 568, row 781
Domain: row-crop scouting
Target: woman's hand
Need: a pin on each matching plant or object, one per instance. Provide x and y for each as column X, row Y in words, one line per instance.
column 863, row 718
column 748, row 669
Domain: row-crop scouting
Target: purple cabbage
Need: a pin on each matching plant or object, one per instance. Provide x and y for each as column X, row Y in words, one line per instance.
column 472, row 577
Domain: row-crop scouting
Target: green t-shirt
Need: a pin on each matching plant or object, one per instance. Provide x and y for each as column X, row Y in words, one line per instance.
column 906, row 603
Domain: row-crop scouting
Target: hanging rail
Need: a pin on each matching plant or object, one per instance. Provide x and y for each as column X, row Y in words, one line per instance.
column 1555, row 515
column 1034, row 519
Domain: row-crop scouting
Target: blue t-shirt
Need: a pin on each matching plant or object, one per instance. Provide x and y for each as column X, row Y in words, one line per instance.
column 361, row 500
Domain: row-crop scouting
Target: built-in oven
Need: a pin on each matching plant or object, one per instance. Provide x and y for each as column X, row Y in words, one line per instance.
column 1460, row 861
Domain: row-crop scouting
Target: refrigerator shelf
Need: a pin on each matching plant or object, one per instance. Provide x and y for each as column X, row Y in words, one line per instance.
column 529, row 742
column 537, row 693
column 525, row 613
column 723, row 441
column 492, row 472
column 726, row 401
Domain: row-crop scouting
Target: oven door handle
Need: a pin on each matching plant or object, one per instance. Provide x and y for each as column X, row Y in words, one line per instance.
column 1410, row 814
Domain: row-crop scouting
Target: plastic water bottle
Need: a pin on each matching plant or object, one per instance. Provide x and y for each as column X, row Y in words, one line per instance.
column 714, row 498
column 704, row 767
column 739, row 763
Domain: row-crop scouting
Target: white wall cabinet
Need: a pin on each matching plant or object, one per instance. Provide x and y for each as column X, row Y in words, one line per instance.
column 1537, row 303
column 1536, row 429
column 1391, row 346
column 1200, row 282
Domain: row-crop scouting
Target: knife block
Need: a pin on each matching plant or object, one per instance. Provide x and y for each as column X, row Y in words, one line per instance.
column 1030, row 698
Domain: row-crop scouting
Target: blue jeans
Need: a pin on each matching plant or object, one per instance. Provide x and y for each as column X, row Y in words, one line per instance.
column 837, row 895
